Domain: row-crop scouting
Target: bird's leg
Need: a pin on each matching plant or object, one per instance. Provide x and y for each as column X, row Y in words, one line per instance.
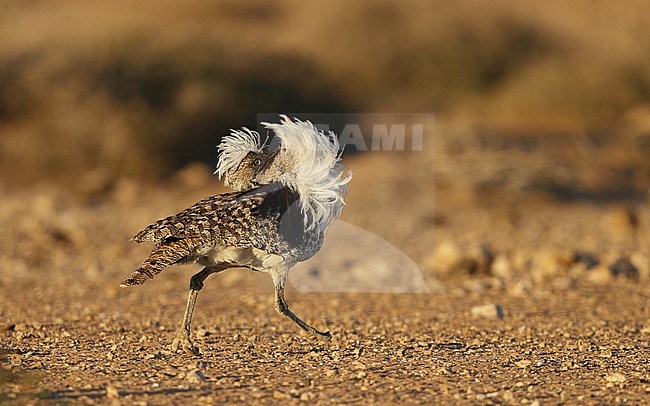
column 283, row 308
column 183, row 340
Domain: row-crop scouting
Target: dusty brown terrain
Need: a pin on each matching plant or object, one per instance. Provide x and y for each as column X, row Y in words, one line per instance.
column 84, row 343
column 572, row 330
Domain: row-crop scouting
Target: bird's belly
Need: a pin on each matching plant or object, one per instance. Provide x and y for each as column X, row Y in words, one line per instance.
column 250, row 257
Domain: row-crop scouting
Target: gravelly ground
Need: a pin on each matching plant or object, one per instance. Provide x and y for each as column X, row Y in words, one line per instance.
column 86, row 342
column 572, row 331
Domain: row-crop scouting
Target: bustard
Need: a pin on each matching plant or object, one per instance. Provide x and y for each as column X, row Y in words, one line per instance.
column 285, row 199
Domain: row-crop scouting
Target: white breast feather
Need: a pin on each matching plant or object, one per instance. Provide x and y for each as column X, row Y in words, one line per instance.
column 314, row 171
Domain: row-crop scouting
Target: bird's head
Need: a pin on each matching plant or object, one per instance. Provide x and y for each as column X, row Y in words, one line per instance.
column 245, row 162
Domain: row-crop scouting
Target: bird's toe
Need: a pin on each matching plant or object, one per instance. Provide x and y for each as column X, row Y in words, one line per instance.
column 183, row 344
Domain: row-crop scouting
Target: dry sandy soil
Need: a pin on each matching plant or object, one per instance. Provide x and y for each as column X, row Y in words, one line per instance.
column 570, row 280
column 87, row 342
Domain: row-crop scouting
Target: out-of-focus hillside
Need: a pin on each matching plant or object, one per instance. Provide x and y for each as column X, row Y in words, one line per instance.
column 93, row 91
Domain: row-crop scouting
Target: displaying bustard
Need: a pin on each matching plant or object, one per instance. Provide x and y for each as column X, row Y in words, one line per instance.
column 285, row 199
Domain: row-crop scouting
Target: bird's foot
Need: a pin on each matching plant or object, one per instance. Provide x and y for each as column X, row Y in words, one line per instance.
column 183, row 344
column 322, row 336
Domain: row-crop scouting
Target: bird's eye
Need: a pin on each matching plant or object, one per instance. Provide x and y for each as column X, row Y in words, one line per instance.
column 257, row 162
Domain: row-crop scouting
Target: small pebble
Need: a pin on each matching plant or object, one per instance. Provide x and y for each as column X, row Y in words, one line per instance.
column 307, row 396
column 489, row 311
column 524, row 363
column 332, row 372
column 586, row 258
column 280, row 395
column 600, row 275
column 444, row 258
column 622, row 222
column 616, row 377
column 622, row 267
column 200, row 333
column 501, row 267
column 358, row 365
column 641, row 262
column 195, row 376
column 112, row 392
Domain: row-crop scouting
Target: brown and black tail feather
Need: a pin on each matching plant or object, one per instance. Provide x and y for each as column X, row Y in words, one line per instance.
column 166, row 254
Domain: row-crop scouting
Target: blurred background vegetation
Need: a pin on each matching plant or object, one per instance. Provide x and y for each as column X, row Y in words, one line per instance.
column 107, row 90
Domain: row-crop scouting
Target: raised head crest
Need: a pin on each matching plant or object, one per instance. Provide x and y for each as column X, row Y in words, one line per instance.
column 234, row 148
